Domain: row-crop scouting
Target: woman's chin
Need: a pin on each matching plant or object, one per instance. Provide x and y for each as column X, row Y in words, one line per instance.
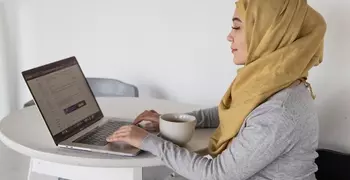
column 237, row 62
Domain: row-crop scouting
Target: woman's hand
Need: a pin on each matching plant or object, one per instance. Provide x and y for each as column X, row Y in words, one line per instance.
column 134, row 135
column 130, row 134
column 151, row 118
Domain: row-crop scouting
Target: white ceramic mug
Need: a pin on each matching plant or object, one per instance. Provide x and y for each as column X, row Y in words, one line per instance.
column 177, row 128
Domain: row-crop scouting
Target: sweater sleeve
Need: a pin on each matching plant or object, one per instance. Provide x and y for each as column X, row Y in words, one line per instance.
column 266, row 135
column 206, row 118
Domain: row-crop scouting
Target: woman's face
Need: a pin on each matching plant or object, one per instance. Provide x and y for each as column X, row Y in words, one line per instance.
column 238, row 40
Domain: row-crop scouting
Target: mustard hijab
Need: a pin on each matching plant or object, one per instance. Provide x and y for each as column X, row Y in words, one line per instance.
column 284, row 41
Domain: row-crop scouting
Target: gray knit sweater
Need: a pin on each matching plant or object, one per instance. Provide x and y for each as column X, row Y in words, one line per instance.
column 277, row 141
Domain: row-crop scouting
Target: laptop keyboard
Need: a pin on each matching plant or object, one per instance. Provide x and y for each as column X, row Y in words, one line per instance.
column 98, row 136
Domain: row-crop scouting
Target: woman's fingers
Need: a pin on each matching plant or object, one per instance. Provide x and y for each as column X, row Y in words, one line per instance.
column 126, row 127
column 137, row 121
column 132, row 135
column 151, row 126
column 118, row 136
column 141, row 117
column 121, row 130
column 147, row 116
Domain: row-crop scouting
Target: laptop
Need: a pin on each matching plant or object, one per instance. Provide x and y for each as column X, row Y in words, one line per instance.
column 70, row 110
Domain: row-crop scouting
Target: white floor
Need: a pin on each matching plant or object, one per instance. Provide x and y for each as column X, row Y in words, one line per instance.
column 14, row 166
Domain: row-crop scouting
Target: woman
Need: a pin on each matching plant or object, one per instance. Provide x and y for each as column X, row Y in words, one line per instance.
column 267, row 126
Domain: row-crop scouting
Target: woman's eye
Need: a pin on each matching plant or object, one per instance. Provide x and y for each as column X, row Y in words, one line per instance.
column 236, row 28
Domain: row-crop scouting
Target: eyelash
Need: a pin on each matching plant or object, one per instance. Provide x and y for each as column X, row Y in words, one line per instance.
column 236, row 28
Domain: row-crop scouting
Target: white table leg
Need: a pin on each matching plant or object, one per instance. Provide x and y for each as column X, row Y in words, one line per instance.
column 30, row 170
column 35, row 176
column 85, row 173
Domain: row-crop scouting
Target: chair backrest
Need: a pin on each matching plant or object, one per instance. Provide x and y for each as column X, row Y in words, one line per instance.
column 332, row 165
column 102, row 87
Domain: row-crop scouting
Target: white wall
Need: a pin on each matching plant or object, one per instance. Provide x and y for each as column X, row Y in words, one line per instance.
column 4, row 109
column 9, row 62
column 162, row 44
column 12, row 165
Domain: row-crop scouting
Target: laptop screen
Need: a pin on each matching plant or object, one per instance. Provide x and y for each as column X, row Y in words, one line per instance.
column 63, row 97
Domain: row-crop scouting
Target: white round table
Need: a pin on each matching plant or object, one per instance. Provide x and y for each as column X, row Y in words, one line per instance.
column 25, row 132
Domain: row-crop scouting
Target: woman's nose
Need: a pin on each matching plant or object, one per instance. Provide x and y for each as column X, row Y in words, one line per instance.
column 230, row 38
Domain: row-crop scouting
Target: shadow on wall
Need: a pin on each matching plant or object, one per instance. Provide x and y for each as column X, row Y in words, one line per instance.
column 152, row 91
column 333, row 106
column 10, row 30
column 335, row 121
column 337, row 37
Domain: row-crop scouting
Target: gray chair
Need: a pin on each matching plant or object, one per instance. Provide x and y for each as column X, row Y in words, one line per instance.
column 332, row 165
column 103, row 87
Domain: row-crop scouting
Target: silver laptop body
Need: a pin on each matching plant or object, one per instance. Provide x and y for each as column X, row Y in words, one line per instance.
column 70, row 110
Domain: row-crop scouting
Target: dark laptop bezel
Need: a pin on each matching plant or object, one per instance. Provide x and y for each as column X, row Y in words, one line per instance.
column 54, row 67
